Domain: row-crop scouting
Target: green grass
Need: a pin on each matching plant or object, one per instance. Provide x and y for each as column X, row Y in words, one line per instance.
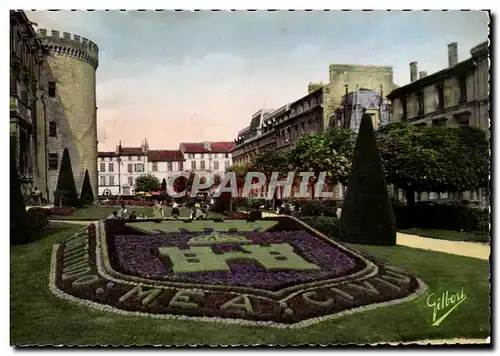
column 448, row 234
column 97, row 212
column 198, row 225
column 38, row 317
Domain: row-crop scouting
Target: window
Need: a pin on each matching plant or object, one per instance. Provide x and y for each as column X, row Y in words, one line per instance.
column 420, row 99
column 138, row 158
column 103, row 167
column 181, row 166
column 169, row 167
column 111, row 167
column 130, row 168
column 227, row 155
column 202, row 165
column 462, row 83
column 440, row 96
column 52, row 129
column 202, row 155
column 53, row 161
column 155, row 167
column 103, row 181
column 190, row 155
column 131, row 181
column 52, row 89
column 111, row 180
column 129, row 158
column 139, row 167
column 193, row 165
column 226, row 164
column 216, row 165
column 405, row 109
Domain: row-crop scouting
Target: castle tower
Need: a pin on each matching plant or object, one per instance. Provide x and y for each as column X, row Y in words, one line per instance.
column 70, row 64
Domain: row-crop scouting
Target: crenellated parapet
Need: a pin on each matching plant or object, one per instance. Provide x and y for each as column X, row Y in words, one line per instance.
column 70, row 45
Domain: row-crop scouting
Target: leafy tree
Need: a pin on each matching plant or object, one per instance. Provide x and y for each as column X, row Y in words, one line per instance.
column 434, row 158
column 163, row 186
column 367, row 215
column 19, row 221
column 86, row 195
column 329, row 152
column 146, row 183
column 268, row 162
column 66, row 183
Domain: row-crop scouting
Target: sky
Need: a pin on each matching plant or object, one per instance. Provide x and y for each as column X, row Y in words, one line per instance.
column 176, row 77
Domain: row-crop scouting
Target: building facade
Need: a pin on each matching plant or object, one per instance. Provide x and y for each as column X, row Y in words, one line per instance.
column 28, row 133
column 119, row 170
column 362, row 102
column 455, row 96
column 208, row 157
column 69, row 67
column 260, row 135
column 304, row 116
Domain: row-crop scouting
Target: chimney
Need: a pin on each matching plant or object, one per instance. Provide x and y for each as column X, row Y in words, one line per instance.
column 422, row 74
column 346, row 89
column 119, row 147
column 452, row 54
column 413, row 71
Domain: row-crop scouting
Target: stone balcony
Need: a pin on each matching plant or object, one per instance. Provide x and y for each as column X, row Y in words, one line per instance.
column 18, row 109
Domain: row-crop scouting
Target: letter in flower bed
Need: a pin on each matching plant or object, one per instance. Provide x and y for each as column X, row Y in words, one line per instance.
column 263, row 260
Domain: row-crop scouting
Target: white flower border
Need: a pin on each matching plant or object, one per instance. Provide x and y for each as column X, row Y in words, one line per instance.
column 422, row 288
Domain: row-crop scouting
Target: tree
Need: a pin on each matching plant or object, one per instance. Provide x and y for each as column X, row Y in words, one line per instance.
column 268, row 161
column 19, row 220
column 66, row 183
column 367, row 215
column 86, row 196
column 147, row 183
column 434, row 158
column 329, row 152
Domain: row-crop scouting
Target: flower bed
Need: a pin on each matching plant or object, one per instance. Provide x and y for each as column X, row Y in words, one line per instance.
column 128, row 202
column 61, row 210
column 83, row 271
column 138, row 256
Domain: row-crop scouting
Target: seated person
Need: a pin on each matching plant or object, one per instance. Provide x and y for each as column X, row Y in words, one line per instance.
column 113, row 216
column 122, row 213
column 133, row 216
column 198, row 214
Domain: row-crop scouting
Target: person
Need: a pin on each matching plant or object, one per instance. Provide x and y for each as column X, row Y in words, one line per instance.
column 36, row 195
column 198, row 214
column 133, row 216
column 122, row 212
column 158, row 211
column 175, row 210
column 113, row 216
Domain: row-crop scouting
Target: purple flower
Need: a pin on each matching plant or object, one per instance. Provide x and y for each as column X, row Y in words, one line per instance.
column 138, row 255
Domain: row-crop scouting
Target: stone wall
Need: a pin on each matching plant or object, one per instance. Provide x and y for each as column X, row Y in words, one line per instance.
column 369, row 77
column 73, row 109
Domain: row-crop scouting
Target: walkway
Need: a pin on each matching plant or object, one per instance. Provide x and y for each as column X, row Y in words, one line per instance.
column 462, row 248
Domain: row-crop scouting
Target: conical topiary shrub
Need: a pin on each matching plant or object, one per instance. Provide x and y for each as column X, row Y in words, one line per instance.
column 66, row 183
column 19, row 220
column 87, row 195
column 367, row 215
column 163, row 186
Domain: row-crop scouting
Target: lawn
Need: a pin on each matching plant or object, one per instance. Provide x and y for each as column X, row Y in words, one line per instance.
column 448, row 234
column 38, row 317
column 97, row 212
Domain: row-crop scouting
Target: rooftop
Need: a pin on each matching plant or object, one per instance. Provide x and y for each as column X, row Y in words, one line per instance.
column 199, row 147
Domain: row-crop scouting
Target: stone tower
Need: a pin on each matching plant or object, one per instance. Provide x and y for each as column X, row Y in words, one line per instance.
column 69, row 78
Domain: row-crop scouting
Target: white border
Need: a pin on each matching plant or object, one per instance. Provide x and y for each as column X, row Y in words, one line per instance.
column 422, row 288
